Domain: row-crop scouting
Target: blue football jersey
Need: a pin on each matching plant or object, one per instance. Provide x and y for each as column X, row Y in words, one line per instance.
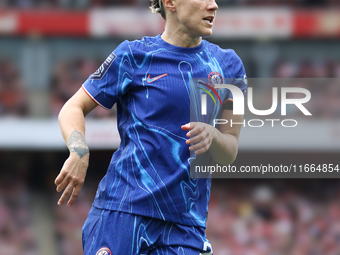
column 150, row 81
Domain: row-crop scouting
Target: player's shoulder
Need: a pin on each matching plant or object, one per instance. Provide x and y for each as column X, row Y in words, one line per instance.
column 231, row 62
column 145, row 43
column 228, row 54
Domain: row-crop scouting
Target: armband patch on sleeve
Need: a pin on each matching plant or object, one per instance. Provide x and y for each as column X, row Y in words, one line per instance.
column 98, row 75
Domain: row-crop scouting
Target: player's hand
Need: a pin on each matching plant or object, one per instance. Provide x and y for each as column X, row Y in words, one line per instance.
column 201, row 136
column 71, row 178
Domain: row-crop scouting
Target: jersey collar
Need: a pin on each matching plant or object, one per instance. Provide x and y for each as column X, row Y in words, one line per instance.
column 171, row 47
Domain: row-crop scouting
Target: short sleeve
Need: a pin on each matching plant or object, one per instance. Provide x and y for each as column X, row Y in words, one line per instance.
column 239, row 79
column 106, row 85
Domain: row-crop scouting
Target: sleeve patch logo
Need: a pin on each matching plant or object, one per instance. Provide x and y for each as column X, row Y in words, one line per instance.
column 245, row 79
column 99, row 74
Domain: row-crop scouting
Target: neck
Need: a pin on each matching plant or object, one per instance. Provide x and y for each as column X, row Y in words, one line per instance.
column 175, row 37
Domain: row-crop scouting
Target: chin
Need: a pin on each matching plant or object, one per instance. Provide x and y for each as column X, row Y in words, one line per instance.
column 207, row 34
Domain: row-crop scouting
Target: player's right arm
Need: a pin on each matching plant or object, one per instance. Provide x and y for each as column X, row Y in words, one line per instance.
column 72, row 124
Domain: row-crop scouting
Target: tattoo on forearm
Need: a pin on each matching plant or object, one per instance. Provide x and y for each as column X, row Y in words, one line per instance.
column 77, row 144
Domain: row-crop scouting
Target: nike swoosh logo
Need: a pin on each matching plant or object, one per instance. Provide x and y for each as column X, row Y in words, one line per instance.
column 150, row 80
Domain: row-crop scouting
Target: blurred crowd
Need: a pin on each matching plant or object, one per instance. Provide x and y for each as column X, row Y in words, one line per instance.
column 69, row 222
column 74, row 4
column 244, row 219
column 67, row 77
column 248, row 217
column 17, row 235
column 81, row 4
column 320, row 78
column 13, row 97
column 275, row 219
column 17, row 230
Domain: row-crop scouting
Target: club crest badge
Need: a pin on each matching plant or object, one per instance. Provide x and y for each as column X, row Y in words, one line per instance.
column 98, row 75
column 215, row 78
column 103, row 251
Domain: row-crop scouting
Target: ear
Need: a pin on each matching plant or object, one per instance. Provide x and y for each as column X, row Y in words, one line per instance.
column 169, row 5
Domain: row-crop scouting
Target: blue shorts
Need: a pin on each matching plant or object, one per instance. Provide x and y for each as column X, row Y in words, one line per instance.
column 116, row 233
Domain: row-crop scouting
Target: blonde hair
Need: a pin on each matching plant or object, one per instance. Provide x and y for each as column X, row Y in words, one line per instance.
column 156, row 6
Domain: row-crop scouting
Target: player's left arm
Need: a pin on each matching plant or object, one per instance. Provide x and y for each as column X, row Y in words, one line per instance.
column 221, row 143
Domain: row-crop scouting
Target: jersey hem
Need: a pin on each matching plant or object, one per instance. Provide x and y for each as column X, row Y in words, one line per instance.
column 187, row 220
